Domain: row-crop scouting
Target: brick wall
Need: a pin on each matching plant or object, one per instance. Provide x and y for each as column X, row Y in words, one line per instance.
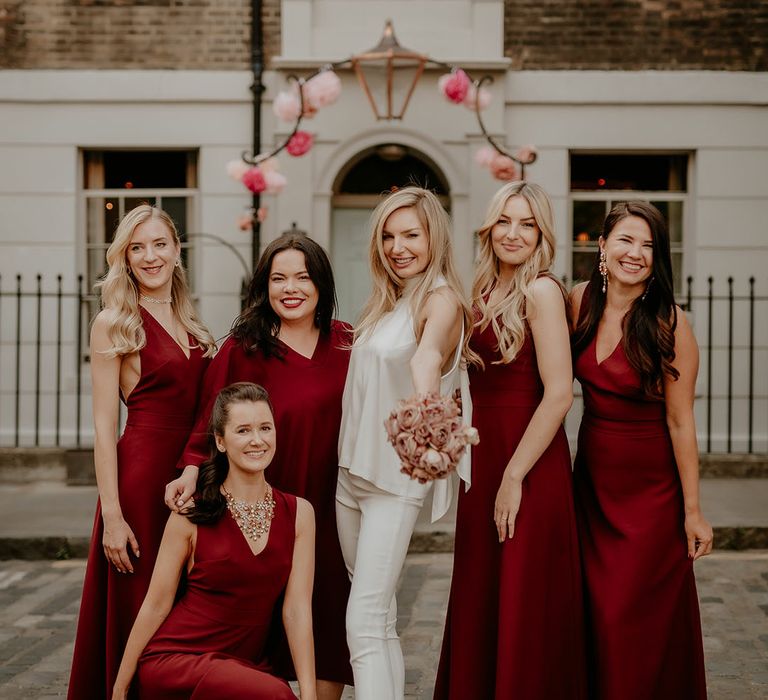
column 183, row 34
column 637, row 34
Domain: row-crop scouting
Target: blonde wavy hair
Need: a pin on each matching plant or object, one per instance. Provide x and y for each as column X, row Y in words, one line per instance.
column 120, row 293
column 508, row 316
column 388, row 287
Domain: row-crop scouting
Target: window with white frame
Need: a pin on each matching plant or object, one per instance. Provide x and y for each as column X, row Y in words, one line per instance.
column 116, row 181
column 598, row 181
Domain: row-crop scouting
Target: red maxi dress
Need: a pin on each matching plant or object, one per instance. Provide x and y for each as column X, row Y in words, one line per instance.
column 644, row 631
column 514, row 627
column 212, row 644
column 161, row 411
column 306, row 396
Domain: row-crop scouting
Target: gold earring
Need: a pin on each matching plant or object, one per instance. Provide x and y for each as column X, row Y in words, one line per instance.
column 603, row 268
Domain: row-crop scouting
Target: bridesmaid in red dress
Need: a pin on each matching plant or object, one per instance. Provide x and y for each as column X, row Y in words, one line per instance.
column 636, row 470
column 147, row 347
column 514, row 627
column 287, row 341
column 243, row 546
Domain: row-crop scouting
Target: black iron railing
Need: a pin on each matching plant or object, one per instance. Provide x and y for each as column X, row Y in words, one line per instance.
column 44, row 401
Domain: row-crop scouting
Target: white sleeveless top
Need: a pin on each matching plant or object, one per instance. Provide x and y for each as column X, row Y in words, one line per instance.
column 379, row 376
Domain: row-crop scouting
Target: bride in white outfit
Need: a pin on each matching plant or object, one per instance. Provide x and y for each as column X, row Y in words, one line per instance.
column 411, row 339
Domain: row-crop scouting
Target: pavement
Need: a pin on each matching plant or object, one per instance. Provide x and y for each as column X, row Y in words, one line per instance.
column 39, row 602
column 50, row 520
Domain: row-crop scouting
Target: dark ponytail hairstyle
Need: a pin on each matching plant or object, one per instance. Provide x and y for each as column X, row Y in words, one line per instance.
column 649, row 326
column 210, row 503
column 258, row 325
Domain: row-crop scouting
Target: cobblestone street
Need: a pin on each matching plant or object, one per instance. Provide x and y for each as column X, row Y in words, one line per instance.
column 39, row 602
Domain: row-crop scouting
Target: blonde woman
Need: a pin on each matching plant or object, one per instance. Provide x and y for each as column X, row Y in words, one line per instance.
column 149, row 349
column 514, row 624
column 410, row 340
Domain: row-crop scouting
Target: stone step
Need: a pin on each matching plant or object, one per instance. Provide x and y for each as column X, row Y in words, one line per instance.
column 75, row 466
column 49, row 520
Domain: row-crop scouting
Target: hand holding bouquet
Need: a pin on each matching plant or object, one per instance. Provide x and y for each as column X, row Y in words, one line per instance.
column 428, row 435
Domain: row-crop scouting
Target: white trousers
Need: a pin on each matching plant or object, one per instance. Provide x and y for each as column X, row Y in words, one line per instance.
column 375, row 528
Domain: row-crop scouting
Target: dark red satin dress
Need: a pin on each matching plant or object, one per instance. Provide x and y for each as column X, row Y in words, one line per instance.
column 643, row 623
column 306, row 396
column 212, row 644
column 515, row 625
column 161, row 410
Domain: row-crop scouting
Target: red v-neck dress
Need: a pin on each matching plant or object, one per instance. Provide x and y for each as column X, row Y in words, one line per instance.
column 306, row 396
column 161, row 410
column 644, row 631
column 212, row 645
column 514, row 626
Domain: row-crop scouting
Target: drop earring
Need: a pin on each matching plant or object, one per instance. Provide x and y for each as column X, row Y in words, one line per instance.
column 603, row 268
column 647, row 289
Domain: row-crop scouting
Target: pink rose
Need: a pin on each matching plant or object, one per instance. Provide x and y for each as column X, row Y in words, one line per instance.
column 300, row 143
column 455, row 86
column 439, row 436
column 408, row 415
column 392, row 427
column 253, row 179
column 435, row 463
column 471, row 435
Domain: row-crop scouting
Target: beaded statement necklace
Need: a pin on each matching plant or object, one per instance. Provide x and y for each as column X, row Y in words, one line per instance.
column 253, row 519
column 153, row 300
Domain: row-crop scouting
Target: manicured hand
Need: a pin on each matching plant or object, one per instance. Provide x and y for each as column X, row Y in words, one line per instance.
column 178, row 494
column 507, row 504
column 117, row 536
column 698, row 532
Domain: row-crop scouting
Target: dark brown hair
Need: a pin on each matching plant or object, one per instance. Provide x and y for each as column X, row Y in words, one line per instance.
column 210, row 503
column 258, row 325
column 649, row 326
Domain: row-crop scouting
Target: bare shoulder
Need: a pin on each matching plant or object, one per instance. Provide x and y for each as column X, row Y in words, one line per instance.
column 305, row 513
column 547, row 290
column 443, row 297
column 683, row 325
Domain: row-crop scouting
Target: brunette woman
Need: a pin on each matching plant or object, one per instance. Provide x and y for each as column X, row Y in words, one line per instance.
column 636, row 470
column 242, row 546
column 515, row 625
column 149, row 349
column 410, row 340
column 287, row 341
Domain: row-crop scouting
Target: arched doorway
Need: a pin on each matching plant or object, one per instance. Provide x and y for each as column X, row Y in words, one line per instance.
column 357, row 189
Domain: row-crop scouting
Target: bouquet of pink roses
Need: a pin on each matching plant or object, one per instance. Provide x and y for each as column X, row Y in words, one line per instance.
column 428, row 435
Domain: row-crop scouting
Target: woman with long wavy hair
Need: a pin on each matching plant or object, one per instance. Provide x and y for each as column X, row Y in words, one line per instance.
column 636, row 470
column 149, row 350
column 515, row 625
column 244, row 546
column 288, row 341
column 411, row 339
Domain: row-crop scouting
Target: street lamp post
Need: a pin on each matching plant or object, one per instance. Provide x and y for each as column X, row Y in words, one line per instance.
column 257, row 90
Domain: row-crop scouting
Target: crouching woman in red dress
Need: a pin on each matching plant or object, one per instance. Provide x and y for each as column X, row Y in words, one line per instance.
column 243, row 545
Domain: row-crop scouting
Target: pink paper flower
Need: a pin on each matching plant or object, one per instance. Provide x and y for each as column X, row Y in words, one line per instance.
column 261, row 215
column 526, row 154
column 483, row 98
column 484, row 156
column 455, row 86
column 322, row 90
column 269, row 165
column 254, row 180
column 275, row 182
column 245, row 222
column 503, row 168
column 237, row 168
column 300, row 143
column 286, row 106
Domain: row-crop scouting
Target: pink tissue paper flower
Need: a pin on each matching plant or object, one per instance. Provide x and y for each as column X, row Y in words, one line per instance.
column 484, row 156
column 526, row 154
column 483, row 99
column 286, row 106
column 275, row 182
column 254, row 180
column 322, row 90
column 300, row 143
column 503, row 167
column 237, row 168
column 268, row 164
column 455, row 86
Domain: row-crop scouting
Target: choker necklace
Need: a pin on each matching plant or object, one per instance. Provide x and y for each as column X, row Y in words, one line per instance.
column 144, row 297
column 253, row 519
